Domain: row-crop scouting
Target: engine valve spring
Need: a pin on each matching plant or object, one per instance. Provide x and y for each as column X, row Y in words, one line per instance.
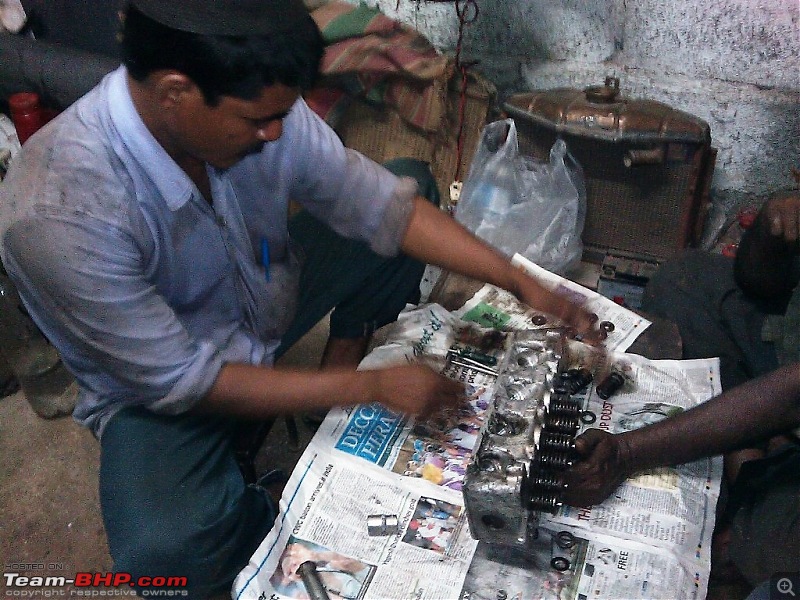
column 564, row 405
column 565, row 385
column 610, row 385
column 544, row 502
column 555, row 459
column 578, row 379
column 557, row 441
column 568, row 424
column 539, row 480
column 562, row 386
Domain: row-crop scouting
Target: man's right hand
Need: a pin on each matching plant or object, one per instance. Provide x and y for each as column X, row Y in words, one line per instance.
column 414, row 389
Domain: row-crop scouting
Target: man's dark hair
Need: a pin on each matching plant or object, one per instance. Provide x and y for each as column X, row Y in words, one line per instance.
column 238, row 66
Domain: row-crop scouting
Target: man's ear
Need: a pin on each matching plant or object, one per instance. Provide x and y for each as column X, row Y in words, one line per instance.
column 173, row 88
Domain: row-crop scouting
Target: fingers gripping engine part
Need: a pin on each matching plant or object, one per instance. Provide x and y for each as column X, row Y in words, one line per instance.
column 528, row 440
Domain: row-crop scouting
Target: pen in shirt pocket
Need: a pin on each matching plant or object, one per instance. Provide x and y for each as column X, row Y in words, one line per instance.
column 265, row 256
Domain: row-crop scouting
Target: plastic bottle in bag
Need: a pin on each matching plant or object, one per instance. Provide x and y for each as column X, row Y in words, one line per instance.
column 47, row 385
column 495, row 190
column 496, row 197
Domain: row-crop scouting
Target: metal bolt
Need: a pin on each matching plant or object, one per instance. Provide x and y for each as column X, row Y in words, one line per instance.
column 381, row 525
column 311, row 580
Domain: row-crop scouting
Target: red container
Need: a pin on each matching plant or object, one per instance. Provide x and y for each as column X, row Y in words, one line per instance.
column 26, row 113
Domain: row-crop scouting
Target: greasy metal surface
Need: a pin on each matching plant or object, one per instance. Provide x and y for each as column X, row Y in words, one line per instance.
column 514, row 473
column 603, row 113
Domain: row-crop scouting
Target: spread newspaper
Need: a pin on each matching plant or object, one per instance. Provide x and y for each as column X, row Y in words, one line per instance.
column 367, row 465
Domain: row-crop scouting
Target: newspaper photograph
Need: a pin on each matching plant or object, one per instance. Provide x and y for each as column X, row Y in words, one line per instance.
column 325, row 511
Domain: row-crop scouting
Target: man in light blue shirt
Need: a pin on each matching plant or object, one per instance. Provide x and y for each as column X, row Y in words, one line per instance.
column 146, row 229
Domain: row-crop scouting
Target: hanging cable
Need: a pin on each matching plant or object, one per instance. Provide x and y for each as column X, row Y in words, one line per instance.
column 467, row 12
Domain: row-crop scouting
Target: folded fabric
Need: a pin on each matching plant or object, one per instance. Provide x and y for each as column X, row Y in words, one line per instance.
column 382, row 60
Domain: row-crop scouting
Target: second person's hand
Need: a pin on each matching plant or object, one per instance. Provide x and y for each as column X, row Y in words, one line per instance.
column 783, row 216
column 602, row 467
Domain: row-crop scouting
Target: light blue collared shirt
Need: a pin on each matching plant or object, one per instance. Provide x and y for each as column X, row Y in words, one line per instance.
column 143, row 286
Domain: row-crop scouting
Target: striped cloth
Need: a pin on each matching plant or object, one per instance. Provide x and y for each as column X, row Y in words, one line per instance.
column 371, row 56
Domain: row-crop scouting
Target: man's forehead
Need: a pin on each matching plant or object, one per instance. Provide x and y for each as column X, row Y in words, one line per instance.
column 275, row 101
column 224, row 17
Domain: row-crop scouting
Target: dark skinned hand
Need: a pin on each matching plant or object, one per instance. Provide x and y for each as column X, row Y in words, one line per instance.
column 602, row 467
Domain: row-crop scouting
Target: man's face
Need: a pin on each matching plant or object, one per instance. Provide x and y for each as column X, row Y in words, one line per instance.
column 224, row 134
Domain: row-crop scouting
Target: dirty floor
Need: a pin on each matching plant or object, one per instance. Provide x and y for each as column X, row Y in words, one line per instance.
column 50, row 523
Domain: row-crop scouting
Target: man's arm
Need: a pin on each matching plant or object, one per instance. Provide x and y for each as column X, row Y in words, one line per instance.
column 101, row 310
column 433, row 237
column 745, row 414
column 258, row 392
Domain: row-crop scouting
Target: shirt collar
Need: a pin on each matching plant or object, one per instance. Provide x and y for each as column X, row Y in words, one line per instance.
column 171, row 181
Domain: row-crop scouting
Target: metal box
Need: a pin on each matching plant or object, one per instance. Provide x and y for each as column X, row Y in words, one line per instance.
column 648, row 167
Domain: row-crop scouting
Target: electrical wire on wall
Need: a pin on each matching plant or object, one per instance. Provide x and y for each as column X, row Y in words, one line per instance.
column 467, row 12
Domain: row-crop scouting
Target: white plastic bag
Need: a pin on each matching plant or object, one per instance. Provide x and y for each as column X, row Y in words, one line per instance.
column 521, row 205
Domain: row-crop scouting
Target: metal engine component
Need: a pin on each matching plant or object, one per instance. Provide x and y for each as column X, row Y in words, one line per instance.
column 610, row 385
column 382, row 525
column 311, row 580
column 528, row 439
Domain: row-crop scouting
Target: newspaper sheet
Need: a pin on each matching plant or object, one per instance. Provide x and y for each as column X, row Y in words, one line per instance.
column 651, row 539
column 493, row 307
